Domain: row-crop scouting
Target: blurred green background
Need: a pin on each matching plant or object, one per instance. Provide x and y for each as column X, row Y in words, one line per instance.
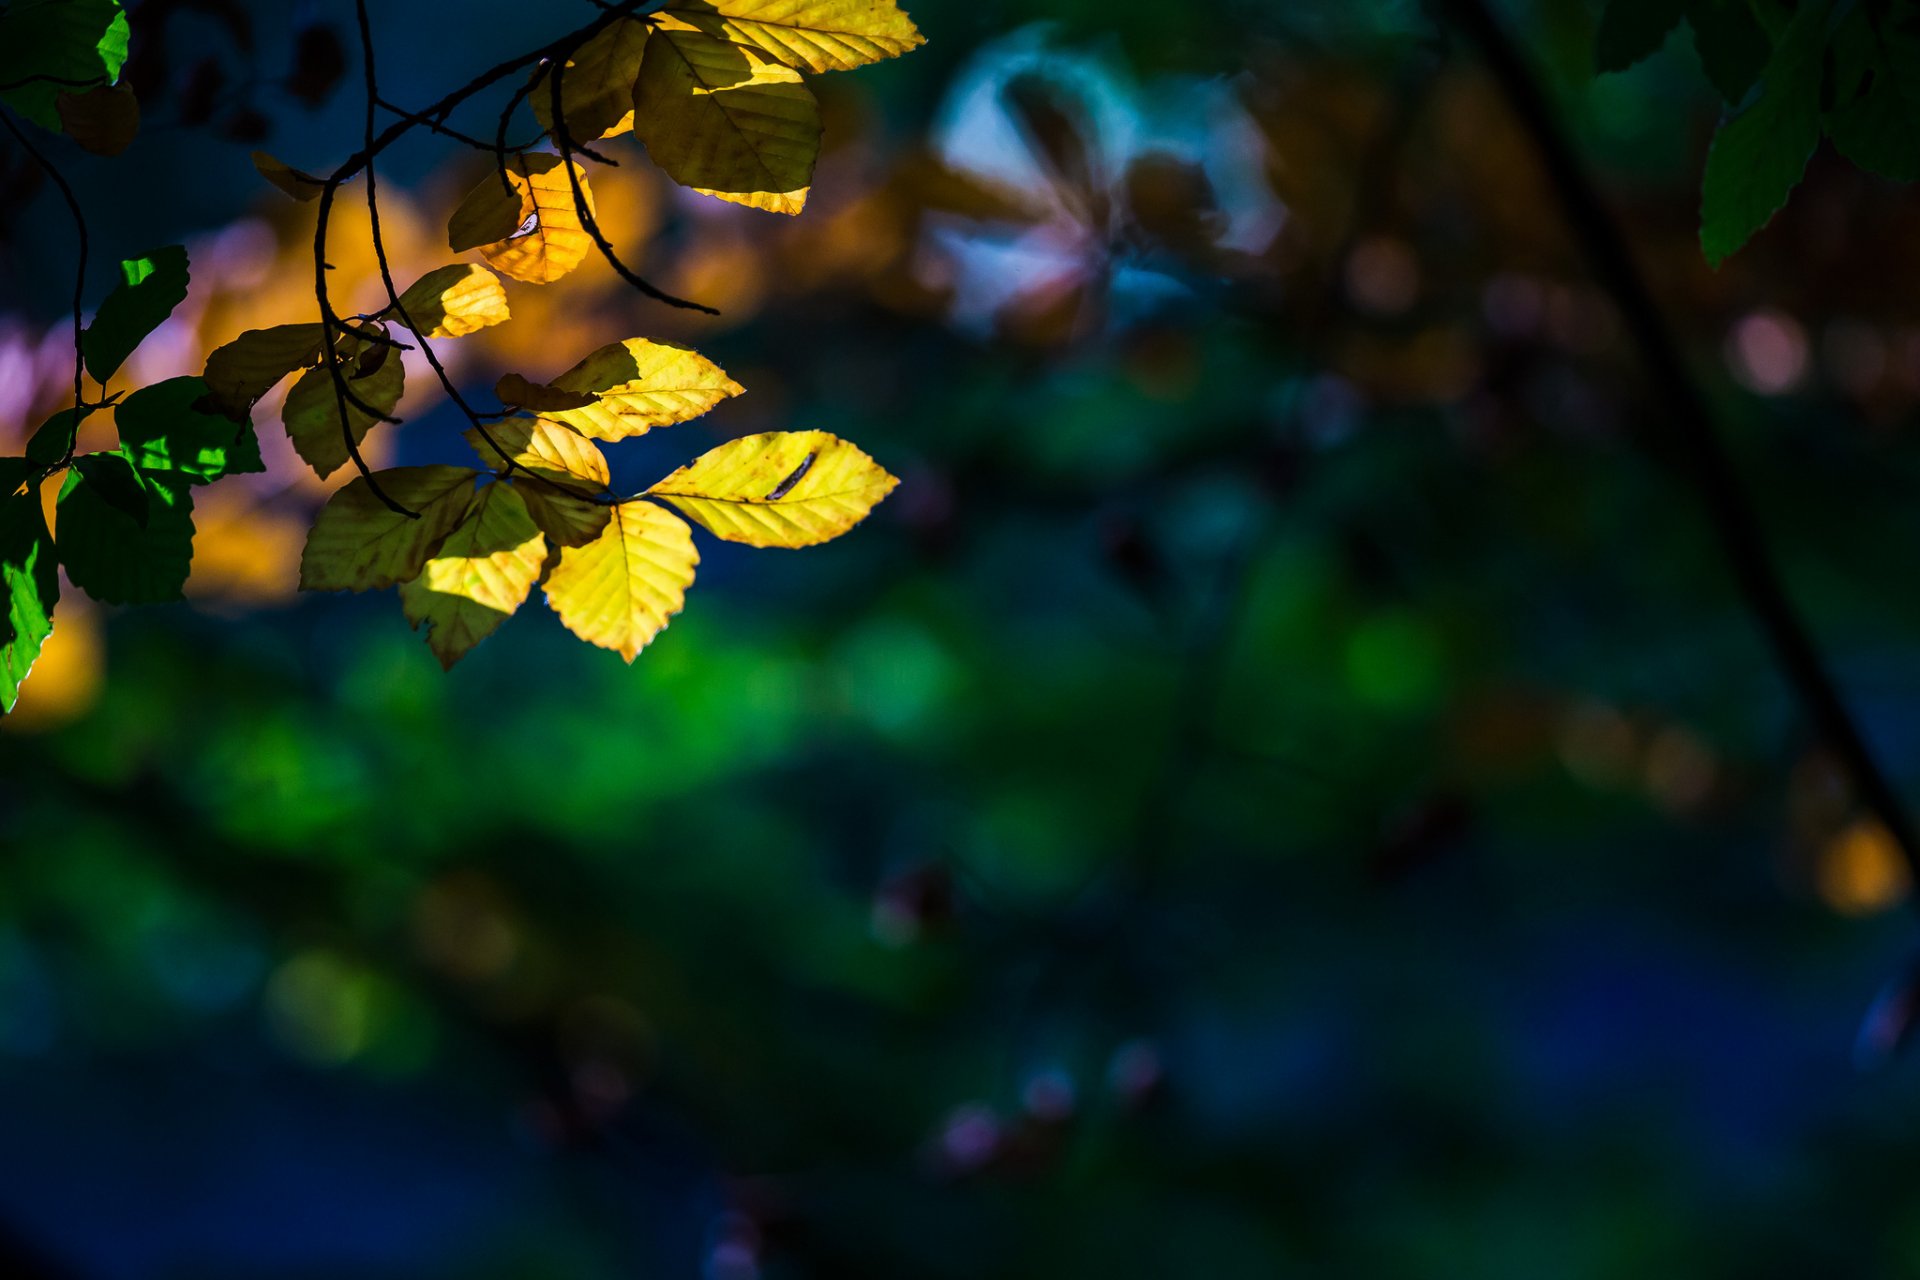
column 1284, row 787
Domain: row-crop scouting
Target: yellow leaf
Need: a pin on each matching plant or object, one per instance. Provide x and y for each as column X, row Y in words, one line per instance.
column 374, row 374
column 533, row 234
column 358, row 544
column 619, row 590
column 724, row 119
column 567, row 519
column 247, row 368
column 627, row 389
column 596, row 94
column 779, row 489
column 301, row 186
column 544, row 449
column 455, row 301
column 481, row 574
column 814, row 35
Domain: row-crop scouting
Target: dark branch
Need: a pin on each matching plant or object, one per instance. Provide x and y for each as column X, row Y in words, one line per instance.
column 80, row 272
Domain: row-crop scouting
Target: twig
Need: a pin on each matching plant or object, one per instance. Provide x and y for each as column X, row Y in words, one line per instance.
column 563, row 136
column 1708, row 466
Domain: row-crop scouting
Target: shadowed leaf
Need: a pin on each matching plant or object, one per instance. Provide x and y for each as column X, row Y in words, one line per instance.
column 358, row 544
column 481, row 574
column 149, row 289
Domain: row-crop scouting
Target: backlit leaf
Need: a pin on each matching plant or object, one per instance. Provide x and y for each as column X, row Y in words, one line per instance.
column 150, row 288
column 596, row 94
column 779, row 489
column 545, row 449
column 300, row 185
column 567, row 519
column 77, row 41
column 110, row 554
column 455, row 301
column 358, row 544
column 534, row 234
column 373, row 372
column 28, row 579
column 633, row 387
column 164, row 427
column 245, row 369
column 481, row 574
column 814, row 35
column 726, row 119
column 619, row 590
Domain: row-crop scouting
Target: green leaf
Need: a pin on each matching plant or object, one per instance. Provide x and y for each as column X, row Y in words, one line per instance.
column 150, row 289
column 1732, row 45
column 110, row 555
column 1633, row 29
column 118, row 486
column 68, row 44
column 164, row 428
column 53, row 441
column 1759, row 155
column 28, row 578
column 1878, row 125
column 358, row 543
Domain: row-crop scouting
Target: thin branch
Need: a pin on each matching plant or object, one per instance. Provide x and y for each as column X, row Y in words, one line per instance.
column 1709, row 467
column 80, row 272
column 563, row 136
column 380, row 249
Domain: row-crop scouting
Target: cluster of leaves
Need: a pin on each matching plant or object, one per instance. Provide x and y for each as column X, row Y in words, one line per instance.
column 713, row 89
column 1847, row 70
column 60, row 64
column 124, row 518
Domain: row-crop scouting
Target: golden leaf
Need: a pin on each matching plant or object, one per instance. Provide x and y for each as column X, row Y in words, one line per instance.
column 455, row 301
column 296, row 183
column 245, row 369
column 373, row 373
column 619, row 590
column 779, row 489
column 626, row 389
column 814, row 35
column 532, row 234
column 725, row 120
column 545, row 449
column 567, row 519
column 596, row 94
column 480, row 575
column 358, row 544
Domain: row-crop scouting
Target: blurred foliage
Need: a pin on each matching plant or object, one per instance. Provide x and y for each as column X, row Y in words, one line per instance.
column 1283, row 787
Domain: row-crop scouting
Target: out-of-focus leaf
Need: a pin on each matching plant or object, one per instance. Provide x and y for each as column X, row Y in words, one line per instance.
column 28, row 576
column 164, row 428
column 629, row 388
column 1877, row 124
column 1732, row 45
column 245, row 369
column 619, row 590
column 1633, row 29
column 66, row 45
column 105, row 120
column 358, row 544
column 374, row 374
column 150, row 288
column 302, row 186
column 319, row 60
column 725, row 120
column 545, row 449
column 1758, row 156
column 455, row 301
column 813, row 35
column 596, row 94
column 778, row 489
column 567, row 519
column 481, row 574
column 106, row 551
